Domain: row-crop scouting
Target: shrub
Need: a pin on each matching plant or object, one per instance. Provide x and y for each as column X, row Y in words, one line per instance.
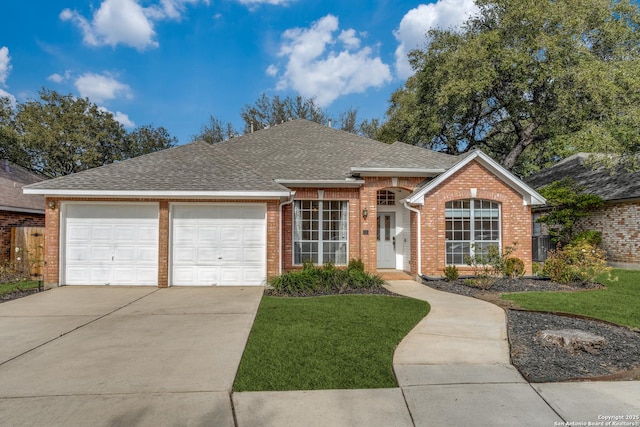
column 481, row 282
column 591, row 237
column 328, row 278
column 451, row 273
column 578, row 262
column 513, row 267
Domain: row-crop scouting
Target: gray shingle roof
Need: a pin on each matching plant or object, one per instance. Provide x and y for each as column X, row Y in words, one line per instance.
column 192, row 167
column 295, row 150
column 617, row 184
column 12, row 179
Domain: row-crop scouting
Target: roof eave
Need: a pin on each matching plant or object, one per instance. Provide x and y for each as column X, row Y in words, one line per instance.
column 410, row 172
column 174, row 194
column 22, row 210
column 529, row 195
column 320, row 183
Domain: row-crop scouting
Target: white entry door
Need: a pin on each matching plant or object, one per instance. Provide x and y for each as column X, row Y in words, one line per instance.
column 219, row 244
column 110, row 244
column 386, row 235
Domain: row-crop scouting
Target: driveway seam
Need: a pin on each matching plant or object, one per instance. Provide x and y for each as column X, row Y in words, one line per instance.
column 546, row 402
column 78, row 327
column 413, row 422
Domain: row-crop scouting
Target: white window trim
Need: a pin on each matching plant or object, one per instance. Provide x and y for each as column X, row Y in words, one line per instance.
column 320, row 208
column 472, row 229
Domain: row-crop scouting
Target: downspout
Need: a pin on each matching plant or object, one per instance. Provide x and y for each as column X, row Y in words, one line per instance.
column 419, row 244
column 288, row 202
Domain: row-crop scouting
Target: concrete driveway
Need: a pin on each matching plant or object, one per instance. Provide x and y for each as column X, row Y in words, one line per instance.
column 123, row 355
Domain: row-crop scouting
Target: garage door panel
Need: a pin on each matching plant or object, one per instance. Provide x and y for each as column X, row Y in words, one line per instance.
column 227, row 240
column 111, row 244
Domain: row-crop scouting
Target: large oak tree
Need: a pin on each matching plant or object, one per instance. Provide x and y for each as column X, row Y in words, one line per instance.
column 528, row 81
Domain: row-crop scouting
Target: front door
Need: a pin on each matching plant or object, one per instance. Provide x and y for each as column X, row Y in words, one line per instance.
column 386, row 240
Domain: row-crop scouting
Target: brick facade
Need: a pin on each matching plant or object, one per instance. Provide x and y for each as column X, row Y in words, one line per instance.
column 515, row 222
column 8, row 220
column 619, row 224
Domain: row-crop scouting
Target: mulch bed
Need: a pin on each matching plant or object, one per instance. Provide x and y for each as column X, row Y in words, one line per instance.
column 539, row 361
column 349, row 291
column 17, row 294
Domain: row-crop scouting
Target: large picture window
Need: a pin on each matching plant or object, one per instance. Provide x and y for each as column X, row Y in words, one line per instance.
column 471, row 227
column 320, row 231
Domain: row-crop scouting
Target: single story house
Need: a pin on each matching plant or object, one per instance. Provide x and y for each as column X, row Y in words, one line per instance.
column 619, row 219
column 242, row 211
column 16, row 208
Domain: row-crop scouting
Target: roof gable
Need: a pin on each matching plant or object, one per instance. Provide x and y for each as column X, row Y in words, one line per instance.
column 529, row 196
column 12, row 179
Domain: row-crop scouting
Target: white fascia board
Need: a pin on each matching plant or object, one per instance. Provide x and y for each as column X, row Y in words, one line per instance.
column 396, row 171
column 22, row 210
column 166, row 194
column 530, row 196
column 326, row 183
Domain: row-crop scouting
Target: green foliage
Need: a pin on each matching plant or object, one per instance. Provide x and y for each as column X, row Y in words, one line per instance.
column 614, row 304
column 326, row 279
column 267, row 111
column 333, row 342
column 578, row 262
column 60, row 134
column 513, row 267
column 215, row 131
column 591, row 237
column 567, row 204
column 19, row 286
column 451, row 273
column 526, row 81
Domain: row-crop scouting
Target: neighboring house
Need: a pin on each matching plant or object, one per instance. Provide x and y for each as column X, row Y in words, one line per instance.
column 242, row 211
column 619, row 219
column 16, row 208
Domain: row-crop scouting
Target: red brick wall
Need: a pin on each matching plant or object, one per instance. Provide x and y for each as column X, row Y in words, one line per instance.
column 515, row 221
column 8, row 220
column 620, row 227
column 52, row 235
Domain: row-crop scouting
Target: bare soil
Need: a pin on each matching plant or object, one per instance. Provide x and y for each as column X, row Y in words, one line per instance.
column 538, row 361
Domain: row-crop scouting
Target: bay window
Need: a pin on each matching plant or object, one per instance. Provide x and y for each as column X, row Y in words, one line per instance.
column 320, row 231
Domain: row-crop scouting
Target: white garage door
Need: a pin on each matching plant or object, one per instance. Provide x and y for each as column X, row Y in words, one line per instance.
column 108, row 244
column 222, row 245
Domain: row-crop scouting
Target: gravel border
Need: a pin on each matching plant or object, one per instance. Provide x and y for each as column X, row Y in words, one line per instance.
column 538, row 361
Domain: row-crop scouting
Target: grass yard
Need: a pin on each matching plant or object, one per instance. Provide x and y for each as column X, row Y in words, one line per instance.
column 330, row 342
column 8, row 288
column 618, row 303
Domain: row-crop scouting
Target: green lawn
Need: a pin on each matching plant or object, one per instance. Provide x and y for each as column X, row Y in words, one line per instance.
column 331, row 342
column 7, row 288
column 618, row 303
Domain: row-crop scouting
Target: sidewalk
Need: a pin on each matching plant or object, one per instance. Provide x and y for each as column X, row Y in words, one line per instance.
column 453, row 369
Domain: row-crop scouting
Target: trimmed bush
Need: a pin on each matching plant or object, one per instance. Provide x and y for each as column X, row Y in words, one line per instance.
column 325, row 279
column 513, row 267
column 451, row 273
column 579, row 262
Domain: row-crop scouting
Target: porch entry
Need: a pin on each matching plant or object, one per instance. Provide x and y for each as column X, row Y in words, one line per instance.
column 386, row 236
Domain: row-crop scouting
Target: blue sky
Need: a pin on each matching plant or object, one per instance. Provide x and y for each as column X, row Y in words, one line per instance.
column 172, row 63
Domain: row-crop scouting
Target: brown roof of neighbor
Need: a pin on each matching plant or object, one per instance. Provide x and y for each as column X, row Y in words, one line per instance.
column 616, row 184
column 295, row 150
column 12, row 179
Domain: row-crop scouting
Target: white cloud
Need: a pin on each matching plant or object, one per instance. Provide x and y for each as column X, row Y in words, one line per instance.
column 315, row 68
column 272, row 70
column 5, row 64
column 411, row 33
column 126, row 22
column 260, row 2
column 101, row 87
column 12, row 99
column 124, row 120
column 59, row 78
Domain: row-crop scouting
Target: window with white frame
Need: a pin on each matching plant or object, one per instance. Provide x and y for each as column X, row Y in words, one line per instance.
column 320, row 231
column 471, row 227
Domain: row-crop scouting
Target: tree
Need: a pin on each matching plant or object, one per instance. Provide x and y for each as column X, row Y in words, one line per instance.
column 557, row 76
column 148, row 139
column 266, row 112
column 215, row 131
column 567, row 204
column 60, row 134
column 348, row 120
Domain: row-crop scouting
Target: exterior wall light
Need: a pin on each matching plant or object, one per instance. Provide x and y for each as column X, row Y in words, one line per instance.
column 365, row 213
column 51, row 204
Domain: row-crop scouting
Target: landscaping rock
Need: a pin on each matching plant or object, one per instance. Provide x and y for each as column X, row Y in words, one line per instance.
column 573, row 340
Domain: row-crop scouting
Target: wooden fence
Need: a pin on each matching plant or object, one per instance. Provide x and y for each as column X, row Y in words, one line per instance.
column 27, row 250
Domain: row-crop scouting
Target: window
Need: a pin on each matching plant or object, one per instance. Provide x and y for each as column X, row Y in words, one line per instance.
column 386, row 198
column 320, row 231
column 471, row 225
